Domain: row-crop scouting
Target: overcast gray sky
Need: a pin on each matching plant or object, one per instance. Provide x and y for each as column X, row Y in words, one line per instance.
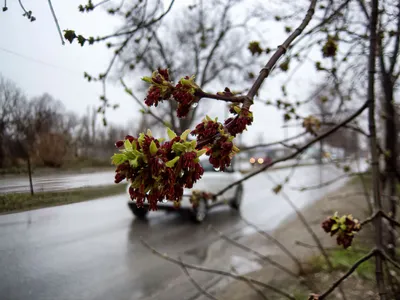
column 32, row 56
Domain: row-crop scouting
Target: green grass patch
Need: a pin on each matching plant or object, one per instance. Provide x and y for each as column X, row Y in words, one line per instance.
column 24, row 201
column 342, row 260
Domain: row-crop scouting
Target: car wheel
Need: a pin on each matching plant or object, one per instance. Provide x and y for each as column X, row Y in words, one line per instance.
column 199, row 212
column 139, row 212
column 237, row 201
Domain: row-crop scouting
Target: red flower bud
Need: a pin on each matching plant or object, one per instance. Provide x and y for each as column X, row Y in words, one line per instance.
column 119, row 144
column 129, row 138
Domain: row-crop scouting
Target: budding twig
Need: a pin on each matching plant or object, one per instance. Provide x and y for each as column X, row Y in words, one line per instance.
column 237, row 99
column 219, row 272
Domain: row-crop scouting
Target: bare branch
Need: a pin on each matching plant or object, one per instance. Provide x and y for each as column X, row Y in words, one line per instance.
column 276, row 242
column 234, row 99
column 301, row 149
column 194, row 282
column 273, row 143
column 347, row 274
column 389, row 259
column 219, row 272
column 254, row 252
column 145, row 108
column 326, row 183
column 140, row 25
column 56, row 21
column 252, row 286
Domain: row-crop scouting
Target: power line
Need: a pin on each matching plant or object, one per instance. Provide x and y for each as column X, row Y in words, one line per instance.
column 38, row 61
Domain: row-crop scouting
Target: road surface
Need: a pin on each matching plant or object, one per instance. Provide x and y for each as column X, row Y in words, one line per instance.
column 92, row 251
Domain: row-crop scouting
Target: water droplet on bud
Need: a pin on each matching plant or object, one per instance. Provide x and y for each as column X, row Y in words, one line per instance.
column 194, row 105
column 164, row 201
column 182, row 173
column 217, row 169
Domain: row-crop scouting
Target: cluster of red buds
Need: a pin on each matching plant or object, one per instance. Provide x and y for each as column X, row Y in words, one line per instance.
column 197, row 195
column 157, row 170
column 161, row 88
column 311, row 124
column 236, row 125
column 344, row 227
column 184, row 94
column 212, row 135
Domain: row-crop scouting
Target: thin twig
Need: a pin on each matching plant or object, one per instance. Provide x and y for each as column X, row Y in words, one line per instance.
column 254, row 252
column 326, row 183
column 310, row 231
column 380, row 213
column 273, row 143
column 389, row 259
column 251, row 285
column 301, row 149
column 219, row 272
column 347, row 274
column 276, row 242
column 146, row 109
column 56, row 21
column 234, row 99
column 194, row 282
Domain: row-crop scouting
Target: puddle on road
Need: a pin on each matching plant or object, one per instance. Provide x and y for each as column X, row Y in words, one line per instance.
column 242, row 265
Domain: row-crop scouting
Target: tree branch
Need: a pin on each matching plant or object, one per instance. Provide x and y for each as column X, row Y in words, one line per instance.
column 347, row 274
column 254, row 252
column 276, row 242
column 389, row 259
column 219, row 272
column 140, row 25
column 56, row 21
column 273, row 143
column 128, row 91
column 277, row 55
column 234, row 99
column 326, row 183
column 194, row 282
column 301, row 149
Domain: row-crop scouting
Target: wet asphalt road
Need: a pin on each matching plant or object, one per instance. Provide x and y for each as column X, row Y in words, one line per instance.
column 91, row 250
column 55, row 182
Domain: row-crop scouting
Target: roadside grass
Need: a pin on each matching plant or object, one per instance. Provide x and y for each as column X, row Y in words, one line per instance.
column 342, row 260
column 75, row 166
column 16, row 202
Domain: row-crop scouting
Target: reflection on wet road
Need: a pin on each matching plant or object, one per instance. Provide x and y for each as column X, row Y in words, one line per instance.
column 91, row 250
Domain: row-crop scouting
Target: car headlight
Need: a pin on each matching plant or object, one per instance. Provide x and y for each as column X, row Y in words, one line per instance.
column 252, row 160
column 260, row 160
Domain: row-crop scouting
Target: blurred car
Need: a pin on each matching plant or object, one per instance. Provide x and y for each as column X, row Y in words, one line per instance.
column 260, row 159
column 212, row 181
